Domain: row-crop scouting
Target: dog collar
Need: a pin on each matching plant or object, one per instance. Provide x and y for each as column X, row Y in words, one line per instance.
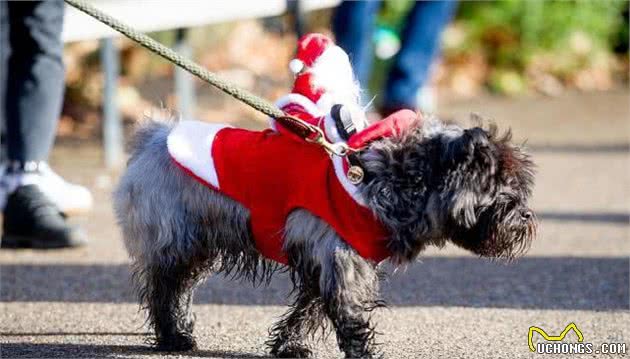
column 393, row 125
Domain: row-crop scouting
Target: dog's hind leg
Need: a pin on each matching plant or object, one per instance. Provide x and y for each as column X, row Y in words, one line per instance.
column 166, row 290
column 163, row 214
column 175, row 229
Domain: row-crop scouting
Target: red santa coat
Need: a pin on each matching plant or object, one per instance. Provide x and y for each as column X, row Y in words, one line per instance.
column 272, row 174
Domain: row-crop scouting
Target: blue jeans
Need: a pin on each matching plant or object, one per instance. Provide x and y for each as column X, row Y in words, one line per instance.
column 31, row 76
column 353, row 25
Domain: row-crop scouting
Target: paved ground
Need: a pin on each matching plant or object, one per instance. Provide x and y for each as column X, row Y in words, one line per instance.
column 76, row 303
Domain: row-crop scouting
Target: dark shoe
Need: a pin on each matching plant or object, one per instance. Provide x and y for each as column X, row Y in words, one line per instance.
column 31, row 220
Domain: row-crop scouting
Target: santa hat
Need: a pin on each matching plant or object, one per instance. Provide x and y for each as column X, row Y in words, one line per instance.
column 323, row 72
column 309, row 48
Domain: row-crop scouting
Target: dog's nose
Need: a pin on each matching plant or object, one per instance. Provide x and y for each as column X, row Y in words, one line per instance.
column 526, row 214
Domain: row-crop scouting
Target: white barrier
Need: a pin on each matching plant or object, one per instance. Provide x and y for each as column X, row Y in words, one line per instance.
column 155, row 15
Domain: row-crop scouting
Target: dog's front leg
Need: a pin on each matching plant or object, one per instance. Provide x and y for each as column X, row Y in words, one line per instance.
column 349, row 286
column 344, row 283
column 287, row 335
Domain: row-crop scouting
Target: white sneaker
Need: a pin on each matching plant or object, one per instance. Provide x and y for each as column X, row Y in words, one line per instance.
column 70, row 198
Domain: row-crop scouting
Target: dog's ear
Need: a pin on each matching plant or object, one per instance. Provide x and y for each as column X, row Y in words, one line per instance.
column 471, row 166
column 461, row 207
column 463, row 148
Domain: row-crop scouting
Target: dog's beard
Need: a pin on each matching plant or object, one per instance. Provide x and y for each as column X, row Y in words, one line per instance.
column 500, row 233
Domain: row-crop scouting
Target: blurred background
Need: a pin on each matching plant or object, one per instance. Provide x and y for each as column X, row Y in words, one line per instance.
column 555, row 72
column 499, row 48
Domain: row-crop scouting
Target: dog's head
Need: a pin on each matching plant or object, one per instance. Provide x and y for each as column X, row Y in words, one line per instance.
column 440, row 183
column 486, row 184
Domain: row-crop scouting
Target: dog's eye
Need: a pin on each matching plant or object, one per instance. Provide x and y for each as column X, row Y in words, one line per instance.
column 507, row 197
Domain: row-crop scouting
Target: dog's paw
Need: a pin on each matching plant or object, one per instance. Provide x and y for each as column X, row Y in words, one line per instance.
column 188, row 325
column 179, row 343
column 292, row 350
column 366, row 355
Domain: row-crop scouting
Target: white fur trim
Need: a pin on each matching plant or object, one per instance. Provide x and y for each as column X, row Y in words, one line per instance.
column 351, row 189
column 190, row 144
column 272, row 124
column 299, row 100
column 325, row 102
column 332, row 71
column 296, row 65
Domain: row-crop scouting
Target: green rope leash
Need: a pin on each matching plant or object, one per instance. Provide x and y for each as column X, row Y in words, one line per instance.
column 247, row 97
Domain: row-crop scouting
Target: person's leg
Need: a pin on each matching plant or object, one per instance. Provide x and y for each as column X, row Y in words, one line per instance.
column 34, row 91
column 420, row 44
column 353, row 25
column 4, row 57
column 34, row 95
column 35, row 81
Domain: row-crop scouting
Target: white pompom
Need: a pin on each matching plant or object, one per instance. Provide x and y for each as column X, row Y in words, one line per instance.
column 296, row 65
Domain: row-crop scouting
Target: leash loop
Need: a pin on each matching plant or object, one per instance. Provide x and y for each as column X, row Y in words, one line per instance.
column 301, row 128
column 314, row 134
column 340, row 149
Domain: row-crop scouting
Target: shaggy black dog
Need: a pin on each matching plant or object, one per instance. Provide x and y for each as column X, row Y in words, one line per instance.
column 430, row 185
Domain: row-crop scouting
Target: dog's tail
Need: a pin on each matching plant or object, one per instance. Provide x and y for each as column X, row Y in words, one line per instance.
column 150, row 130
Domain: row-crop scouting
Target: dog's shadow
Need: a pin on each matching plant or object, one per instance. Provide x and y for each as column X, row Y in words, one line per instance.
column 68, row 350
column 579, row 283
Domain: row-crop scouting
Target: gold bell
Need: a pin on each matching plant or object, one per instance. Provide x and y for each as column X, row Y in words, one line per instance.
column 355, row 174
